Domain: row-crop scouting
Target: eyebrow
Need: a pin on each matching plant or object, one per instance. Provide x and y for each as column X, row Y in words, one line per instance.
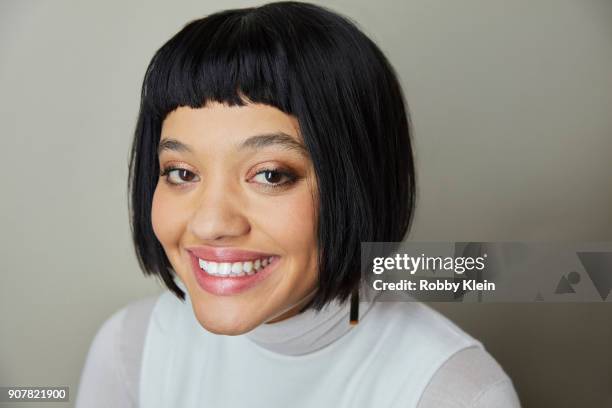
column 279, row 139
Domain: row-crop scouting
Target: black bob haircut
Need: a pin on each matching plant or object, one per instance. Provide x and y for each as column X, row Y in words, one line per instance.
column 316, row 65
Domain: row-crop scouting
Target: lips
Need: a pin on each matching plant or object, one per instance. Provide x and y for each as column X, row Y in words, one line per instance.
column 227, row 254
column 223, row 282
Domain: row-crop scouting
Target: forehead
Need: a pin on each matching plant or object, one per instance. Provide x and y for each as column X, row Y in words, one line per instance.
column 220, row 124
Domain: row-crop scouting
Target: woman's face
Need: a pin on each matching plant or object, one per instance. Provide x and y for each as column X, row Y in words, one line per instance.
column 234, row 210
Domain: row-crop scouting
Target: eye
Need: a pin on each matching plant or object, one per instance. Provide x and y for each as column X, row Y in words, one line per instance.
column 178, row 176
column 274, row 177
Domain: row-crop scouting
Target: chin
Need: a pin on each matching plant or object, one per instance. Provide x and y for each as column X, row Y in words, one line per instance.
column 225, row 320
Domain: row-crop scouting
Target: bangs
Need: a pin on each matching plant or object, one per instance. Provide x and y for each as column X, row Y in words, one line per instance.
column 224, row 58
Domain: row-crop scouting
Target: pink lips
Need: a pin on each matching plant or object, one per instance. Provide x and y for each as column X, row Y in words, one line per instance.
column 228, row 285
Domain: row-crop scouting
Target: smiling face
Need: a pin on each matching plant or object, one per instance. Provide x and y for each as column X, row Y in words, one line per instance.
column 234, row 210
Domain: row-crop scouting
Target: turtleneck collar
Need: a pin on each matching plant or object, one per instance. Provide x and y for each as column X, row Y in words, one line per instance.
column 310, row 330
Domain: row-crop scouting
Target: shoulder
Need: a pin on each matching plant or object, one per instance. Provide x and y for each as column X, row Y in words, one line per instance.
column 133, row 327
column 110, row 374
column 461, row 371
column 471, row 378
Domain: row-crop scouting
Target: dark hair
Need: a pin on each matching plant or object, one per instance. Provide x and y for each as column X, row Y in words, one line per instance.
column 309, row 62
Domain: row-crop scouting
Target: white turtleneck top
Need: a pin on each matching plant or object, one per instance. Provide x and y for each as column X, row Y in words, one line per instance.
column 154, row 353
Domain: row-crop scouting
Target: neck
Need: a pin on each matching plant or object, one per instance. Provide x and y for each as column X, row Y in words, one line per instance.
column 297, row 308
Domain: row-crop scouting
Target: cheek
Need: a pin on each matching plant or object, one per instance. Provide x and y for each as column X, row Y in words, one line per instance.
column 166, row 219
column 294, row 224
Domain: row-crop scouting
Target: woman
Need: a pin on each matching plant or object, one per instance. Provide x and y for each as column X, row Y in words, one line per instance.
column 270, row 143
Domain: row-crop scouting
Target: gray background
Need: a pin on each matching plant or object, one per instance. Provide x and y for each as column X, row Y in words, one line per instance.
column 511, row 102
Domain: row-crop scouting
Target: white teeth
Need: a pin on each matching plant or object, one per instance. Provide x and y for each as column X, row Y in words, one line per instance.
column 234, row 268
column 224, row 268
column 237, row 268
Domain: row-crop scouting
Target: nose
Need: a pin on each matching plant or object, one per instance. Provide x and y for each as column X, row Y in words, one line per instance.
column 218, row 216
